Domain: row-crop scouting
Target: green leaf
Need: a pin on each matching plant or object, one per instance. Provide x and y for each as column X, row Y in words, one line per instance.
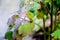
column 30, row 15
column 32, row 10
column 36, row 28
column 45, row 16
column 36, row 20
column 40, row 15
column 37, row 0
column 26, row 28
column 58, row 2
column 56, row 34
column 58, row 24
column 8, row 35
column 16, row 16
column 47, row 0
column 11, row 25
column 35, row 7
column 54, row 9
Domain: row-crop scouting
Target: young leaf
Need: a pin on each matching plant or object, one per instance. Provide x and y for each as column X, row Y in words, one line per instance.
column 56, row 34
column 30, row 15
column 26, row 28
column 16, row 16
column 58, row 2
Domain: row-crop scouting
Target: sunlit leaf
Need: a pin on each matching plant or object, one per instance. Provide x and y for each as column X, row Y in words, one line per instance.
column 37, row 0
column 47, row 0
column 30, row 15
column 16, row 16
column 56, row 34
column 26, row 28
column 36, row 28
column 38, row 21
column 36, row 5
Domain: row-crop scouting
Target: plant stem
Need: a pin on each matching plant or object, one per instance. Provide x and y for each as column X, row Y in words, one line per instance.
column 51, row 17
column 55, row 19
column 44, row 28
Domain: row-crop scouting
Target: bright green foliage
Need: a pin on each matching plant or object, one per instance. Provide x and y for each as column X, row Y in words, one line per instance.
column 36, row 28
column 8, row 35
column 58, row 24
column 56, row 34
column 16, row 16
column 44, row 8
column 37, row 0
column 30, row 15
column 45, row 16
column 36, row 20
column 35, row 7
column 46, row 0
column 26, row 28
